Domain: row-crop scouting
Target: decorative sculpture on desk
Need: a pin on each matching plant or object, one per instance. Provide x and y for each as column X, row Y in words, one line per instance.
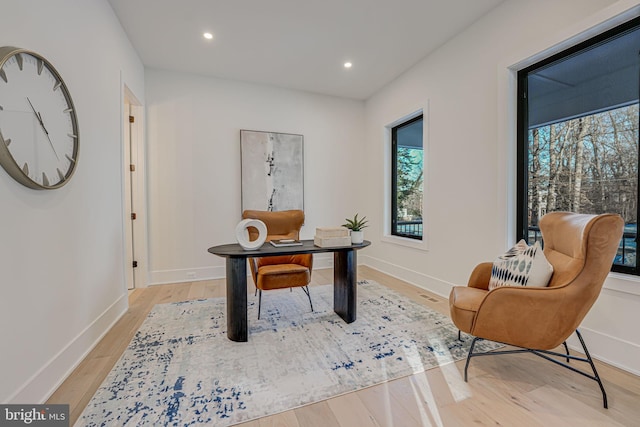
column 242, row 234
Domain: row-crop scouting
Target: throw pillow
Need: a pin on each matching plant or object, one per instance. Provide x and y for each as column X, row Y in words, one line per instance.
column 522, row 265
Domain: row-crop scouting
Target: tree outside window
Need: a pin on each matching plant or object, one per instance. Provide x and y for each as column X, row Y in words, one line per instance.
column 578, row 121
column 408, row 179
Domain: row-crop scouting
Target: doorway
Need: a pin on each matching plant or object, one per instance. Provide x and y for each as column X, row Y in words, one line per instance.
column 133, row 191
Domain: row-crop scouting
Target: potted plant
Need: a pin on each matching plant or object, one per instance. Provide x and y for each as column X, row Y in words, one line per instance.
column 356, row 225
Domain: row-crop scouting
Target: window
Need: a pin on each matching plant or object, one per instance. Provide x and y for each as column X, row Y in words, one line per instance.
column 407, row 178
column 578, row 135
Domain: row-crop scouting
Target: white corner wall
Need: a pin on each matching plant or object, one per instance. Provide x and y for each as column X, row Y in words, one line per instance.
column 193, row 138
column 61, row 255
column 470, row 157
column 62, row 251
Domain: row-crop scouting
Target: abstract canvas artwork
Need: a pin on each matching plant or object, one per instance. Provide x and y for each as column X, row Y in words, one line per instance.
column 272, row 171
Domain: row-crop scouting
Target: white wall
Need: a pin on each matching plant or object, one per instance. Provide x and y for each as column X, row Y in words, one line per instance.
column 195, row 121
column 193, row 134
column 61, row 252
column 471, row 157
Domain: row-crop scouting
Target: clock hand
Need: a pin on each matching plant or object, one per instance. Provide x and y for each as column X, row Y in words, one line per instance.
column 39, row 117
column 35, row 112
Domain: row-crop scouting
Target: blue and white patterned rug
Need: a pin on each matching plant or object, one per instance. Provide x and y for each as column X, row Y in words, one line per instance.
column 180, row 368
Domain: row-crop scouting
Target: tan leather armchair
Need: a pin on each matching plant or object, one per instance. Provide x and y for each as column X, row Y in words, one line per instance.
column 277, row 272
column 581, row 249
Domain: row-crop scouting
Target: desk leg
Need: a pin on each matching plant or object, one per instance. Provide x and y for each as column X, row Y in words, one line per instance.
column 237, row 299
column 344, row 284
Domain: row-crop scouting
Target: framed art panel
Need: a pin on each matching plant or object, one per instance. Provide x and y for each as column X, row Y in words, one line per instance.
column 272, row 171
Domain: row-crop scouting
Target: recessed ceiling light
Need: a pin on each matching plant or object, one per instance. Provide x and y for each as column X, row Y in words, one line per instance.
column 348, row 65
column 208, row 36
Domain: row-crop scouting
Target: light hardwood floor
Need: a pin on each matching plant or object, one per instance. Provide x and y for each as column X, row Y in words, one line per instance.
column 513, row 390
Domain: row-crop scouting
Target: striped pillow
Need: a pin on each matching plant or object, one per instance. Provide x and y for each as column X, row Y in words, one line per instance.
column 522, row 265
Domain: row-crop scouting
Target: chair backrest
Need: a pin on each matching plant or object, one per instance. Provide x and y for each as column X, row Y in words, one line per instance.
column 581, row 249
column 280, row 225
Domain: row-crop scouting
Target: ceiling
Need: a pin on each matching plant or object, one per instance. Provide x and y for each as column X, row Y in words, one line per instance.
column 295, row 44
column 590, row 81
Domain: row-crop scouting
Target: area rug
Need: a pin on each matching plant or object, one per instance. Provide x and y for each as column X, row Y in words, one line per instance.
column 180, row 368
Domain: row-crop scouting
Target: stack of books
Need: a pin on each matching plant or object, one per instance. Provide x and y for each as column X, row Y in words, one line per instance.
column 285, row 242
column 327, row 237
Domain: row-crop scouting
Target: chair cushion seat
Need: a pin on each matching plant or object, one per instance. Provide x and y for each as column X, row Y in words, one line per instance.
column 279, row 276
column 464, row 303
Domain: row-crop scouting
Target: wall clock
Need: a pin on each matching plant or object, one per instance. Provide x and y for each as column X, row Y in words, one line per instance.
column 38, row 124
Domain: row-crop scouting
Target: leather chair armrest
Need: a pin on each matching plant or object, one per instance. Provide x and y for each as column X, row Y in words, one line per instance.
column 525, row 316
column 304, row 259
column 480, row 276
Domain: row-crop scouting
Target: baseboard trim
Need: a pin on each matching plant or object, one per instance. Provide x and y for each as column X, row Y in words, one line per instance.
column 322, row 261
column 165, row 277
column 622, row 354
column 424, row 281
column 41, row 385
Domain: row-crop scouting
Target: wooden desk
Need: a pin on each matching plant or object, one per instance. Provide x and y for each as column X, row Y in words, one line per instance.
column 344, row 279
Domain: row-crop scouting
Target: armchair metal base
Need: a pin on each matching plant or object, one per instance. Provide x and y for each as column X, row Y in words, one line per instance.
column 545, row 354
column 304, row 288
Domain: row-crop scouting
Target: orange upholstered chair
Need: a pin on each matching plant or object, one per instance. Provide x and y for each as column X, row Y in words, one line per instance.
column 581, row 249
column 284, row 271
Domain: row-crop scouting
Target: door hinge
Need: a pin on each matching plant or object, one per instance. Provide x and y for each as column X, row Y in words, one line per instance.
column 132, row 168
column 132, row 119
column 133, row 215
column 135, row 264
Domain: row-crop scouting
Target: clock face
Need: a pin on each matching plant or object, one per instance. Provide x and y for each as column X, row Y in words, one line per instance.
column 38, row 124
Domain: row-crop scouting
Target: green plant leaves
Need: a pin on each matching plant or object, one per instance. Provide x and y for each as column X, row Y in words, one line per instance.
column 356, row 224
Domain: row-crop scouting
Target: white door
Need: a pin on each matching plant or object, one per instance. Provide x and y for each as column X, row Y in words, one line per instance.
column 133, row 191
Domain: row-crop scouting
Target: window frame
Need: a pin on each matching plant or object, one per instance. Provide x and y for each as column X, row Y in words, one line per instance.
column 394, row 178
column 522, row 141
